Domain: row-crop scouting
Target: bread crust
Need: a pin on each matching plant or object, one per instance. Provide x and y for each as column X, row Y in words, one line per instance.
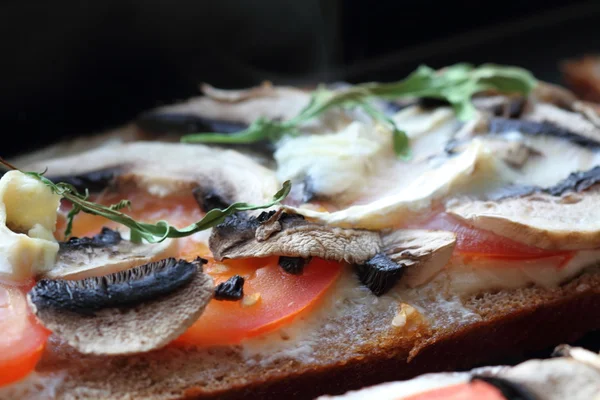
column 553, row 317
column 513, row 322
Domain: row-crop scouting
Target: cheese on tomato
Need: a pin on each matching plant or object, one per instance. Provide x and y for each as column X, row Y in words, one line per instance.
column 471, row 171
column 28, row 213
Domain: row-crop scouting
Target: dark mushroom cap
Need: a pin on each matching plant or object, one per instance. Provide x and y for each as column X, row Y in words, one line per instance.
column 133, row 311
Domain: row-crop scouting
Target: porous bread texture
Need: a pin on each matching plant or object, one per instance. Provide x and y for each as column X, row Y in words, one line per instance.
column 351, row 343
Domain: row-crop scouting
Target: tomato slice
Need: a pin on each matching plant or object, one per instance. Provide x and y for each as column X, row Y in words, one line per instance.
column 22, row 338
column 478, row 242
column 476, row 390
column 279, row 296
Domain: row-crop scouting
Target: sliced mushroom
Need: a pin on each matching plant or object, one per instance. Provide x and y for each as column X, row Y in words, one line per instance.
column 589, row 110
column 163, row 122
column 231, row 290
column 502, row 106
column 132, row 311
column 423, row 252
column 572, row 121
column 226, row 110
column 379, row 273
column 568, row 222
column 546, row 92
column 93, row 181
column 171, row 168
column 291, row 236
column 475, row 169
column 381, row 259
column 105, row 253
column 266, row 89
column 539, row 128
column 575, row 182
column 554, row 379
column 293, row 265
column 578, row 353
column 413, row 255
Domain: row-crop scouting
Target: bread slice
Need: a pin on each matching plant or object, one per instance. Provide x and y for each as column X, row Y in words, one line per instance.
column 348, row 343
column 572, row 373
column 350, row 340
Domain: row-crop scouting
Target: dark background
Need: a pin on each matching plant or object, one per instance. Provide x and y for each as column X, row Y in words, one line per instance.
column 76, row 67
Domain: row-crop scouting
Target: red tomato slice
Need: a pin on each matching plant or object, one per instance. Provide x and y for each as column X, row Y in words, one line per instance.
column 282, row 297
column 22, row 338
column 477, row 390
column 478, row 242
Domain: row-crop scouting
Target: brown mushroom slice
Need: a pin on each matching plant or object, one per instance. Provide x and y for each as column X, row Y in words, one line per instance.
column 568, row 222
column 572, row 121
column 133, row 311
column 290, row 235
column 380, row 259
column 242, row 106
column 546, row 92
column 423, row 252
column 105, row 253
column 172, row 168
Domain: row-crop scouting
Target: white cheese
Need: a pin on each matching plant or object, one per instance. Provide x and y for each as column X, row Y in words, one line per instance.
column 415, row 121
column 428, row 131
column 489, row 274
column 28, row 213
column 475, row 169
column 334, row 163
column 552, row 159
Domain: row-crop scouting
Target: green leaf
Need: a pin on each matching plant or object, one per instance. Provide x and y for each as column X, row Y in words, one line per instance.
column 152, row 233
column 456, row 84
column 261, row 129
column 399, row 138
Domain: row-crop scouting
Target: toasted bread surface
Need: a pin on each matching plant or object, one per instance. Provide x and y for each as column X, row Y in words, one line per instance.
column 352, row 349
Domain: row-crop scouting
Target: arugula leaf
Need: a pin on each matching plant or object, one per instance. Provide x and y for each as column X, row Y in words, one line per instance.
column 153, row 233
column 456, row 84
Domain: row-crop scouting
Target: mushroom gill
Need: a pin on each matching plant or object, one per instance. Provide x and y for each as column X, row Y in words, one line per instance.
column 132, row 311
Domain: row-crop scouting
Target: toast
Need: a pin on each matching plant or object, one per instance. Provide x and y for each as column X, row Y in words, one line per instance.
column 447, row 310
column 572, row 373
column 330, row 361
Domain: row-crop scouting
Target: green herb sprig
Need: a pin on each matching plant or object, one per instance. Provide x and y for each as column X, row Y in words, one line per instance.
column 152, row 233
column 456, row 84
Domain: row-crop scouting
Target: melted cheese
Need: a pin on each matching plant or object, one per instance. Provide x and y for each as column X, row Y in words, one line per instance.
column 334, row 164
column 552, row 159
column 473, row 170
column 28, row 213
column 491, row 274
